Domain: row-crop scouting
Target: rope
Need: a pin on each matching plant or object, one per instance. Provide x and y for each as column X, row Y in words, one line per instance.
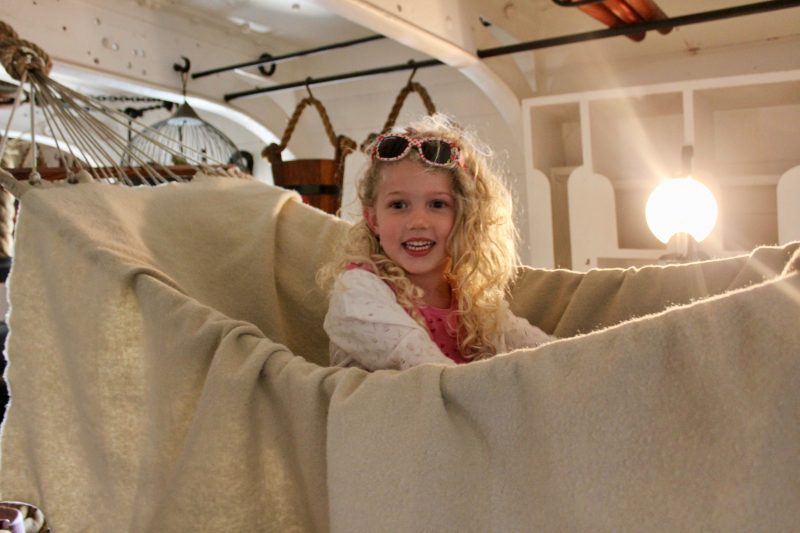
column 398, row 104
column 343, row 143
column 7, row 32
column 326, row 121
column 18, row 55
column 7, row 208
column 6, row 223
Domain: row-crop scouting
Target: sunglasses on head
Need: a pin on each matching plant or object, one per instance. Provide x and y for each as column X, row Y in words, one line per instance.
column 434, row 151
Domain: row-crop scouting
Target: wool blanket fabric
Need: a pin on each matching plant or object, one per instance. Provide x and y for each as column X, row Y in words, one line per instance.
column 168, row 372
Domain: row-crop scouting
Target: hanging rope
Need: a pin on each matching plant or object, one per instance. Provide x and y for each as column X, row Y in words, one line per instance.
column 13, row 157
column 7, row 211
column 292, row 124
column 410, row 87
column 342, row 144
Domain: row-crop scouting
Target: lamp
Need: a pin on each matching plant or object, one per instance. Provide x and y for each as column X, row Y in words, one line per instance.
column 682, row 209
column 186, row 129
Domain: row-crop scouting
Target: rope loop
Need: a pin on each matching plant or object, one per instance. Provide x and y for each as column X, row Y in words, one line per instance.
column 410, row 87
column 18, row 55
column 292, row 124
column 342, row 144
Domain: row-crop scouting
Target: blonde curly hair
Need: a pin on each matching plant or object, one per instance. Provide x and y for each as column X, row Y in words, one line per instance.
column 481, row 245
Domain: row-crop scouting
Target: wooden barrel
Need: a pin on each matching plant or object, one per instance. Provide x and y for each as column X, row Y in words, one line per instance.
column 319, row 181
column 315, row 179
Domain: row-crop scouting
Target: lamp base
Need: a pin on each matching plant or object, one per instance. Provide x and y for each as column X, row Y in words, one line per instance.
column 684, row 249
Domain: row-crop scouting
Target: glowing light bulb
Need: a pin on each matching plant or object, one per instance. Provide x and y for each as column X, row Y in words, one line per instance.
column 681, row 205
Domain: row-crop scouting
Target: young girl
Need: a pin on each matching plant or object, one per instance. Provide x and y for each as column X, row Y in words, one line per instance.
column 421, row 278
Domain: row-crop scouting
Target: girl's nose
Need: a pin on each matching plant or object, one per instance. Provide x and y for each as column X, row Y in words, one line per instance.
column 418, row 219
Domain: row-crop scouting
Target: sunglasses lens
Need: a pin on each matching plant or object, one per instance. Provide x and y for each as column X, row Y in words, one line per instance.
column 437, row 152
column 391, row 147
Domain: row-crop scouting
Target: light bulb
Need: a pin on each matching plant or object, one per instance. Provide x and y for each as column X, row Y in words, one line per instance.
column 681, row 205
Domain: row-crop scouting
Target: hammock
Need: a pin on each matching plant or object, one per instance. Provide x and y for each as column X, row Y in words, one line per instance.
column 85, row 132
column 167, row 368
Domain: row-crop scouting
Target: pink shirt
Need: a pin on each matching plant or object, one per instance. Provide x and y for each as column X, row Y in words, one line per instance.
column 443, row 328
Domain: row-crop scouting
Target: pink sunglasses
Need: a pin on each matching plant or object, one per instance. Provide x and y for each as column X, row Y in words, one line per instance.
column 433, row 150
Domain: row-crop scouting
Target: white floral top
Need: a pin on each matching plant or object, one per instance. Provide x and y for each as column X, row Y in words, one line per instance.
column 369, row 329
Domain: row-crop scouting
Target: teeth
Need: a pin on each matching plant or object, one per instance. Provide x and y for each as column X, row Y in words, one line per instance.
column 419, row 245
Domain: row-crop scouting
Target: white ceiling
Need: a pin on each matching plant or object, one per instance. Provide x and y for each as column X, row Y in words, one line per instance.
column 281, row 26
column 284, row 26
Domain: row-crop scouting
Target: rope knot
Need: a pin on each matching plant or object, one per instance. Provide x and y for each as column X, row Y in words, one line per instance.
column 19, row 56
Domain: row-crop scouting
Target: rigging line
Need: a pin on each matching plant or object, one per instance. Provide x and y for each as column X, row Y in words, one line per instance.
column 17, row 102
column 80, row 122
column 81, row 136
column 683, row 20
column 278, row 59
column 55, row 130
column 77, row 123
column 34, row 148
column 123, row 120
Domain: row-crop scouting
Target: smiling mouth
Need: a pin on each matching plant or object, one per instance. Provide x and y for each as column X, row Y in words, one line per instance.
column 418, row 246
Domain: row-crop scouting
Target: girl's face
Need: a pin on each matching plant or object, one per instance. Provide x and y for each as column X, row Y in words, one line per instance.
column 413, row 215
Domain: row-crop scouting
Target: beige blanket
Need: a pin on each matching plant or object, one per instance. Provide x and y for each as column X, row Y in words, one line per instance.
column 167, row 374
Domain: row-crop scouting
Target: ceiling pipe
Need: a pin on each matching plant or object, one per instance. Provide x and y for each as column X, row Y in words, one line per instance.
column 648, row 10
column 411, row 65
column 614, row 14
column 682, row 20
column 706, row 16
column 277, row 59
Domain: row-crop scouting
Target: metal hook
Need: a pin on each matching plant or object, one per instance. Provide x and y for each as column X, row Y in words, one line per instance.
column 266, row 71
column 414, row 67
column 187, row 65
column 184, row 71
column 308, row 89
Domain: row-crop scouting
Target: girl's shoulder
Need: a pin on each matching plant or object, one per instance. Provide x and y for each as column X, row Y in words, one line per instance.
column 361, row 279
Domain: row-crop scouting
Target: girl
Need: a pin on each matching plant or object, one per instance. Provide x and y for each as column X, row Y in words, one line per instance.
column 421, row 278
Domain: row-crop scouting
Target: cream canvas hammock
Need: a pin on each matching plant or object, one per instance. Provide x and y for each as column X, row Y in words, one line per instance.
column 167, row 368
column 168, row 372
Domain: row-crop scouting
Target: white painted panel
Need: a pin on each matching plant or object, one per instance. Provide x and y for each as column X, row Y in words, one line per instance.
column 539, row 247
column 593, row 224
column 789, row 206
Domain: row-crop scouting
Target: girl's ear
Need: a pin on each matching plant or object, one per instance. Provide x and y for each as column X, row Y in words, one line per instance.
column 371, row 218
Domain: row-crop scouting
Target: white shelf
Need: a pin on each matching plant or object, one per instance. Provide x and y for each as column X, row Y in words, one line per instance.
column 620, row 143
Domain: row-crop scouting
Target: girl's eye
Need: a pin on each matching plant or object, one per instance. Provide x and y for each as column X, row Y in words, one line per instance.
column 438, row 204
column 397, row 204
